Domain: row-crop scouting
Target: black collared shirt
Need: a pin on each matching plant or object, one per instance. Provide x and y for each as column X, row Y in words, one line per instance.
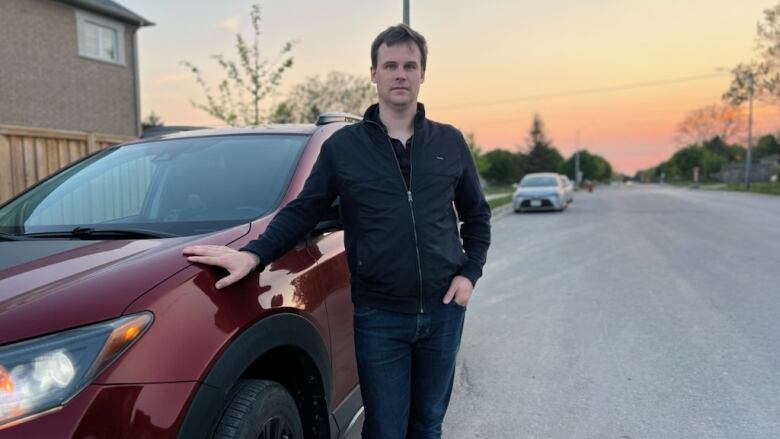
column 403, row 153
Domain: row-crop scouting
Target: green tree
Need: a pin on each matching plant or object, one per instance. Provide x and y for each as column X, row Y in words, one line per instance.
column 716, row 146
column 604, row 169
column 765, row 69
column 709, row 157
column 476, row 153
column 503, row 167
column 151, row 121
column 711, row 164
column 683, row 161
column 337, row 92
column 282, row 113
column 593, row 167
column 731, row 153
column 247, row 82
column 766, row 145
column 655, row 174
column 542, row 155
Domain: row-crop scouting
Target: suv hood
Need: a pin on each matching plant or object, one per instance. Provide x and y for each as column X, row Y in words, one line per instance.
column 51, row 285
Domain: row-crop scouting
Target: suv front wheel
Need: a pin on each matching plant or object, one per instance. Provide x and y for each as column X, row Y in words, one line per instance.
column 260, row 409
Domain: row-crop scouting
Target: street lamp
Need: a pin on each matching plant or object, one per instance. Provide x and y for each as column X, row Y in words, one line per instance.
column 406, row 12
column 749, row 157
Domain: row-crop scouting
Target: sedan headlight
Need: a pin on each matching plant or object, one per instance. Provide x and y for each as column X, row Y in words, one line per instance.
column 44, row 373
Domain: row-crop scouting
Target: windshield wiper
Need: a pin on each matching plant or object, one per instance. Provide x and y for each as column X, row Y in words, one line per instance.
column 92, row 233
column 7, row 237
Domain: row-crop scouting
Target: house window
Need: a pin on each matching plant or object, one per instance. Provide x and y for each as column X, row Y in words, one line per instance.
column 100, row 38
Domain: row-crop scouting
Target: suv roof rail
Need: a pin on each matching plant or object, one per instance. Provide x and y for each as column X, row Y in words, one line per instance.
column 168, row 129
column 334, row 116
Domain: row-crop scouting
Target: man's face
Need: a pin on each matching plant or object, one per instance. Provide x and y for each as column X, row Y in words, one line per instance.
column 398, row 74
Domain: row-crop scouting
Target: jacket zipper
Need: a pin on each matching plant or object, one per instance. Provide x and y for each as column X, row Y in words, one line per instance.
column 411, row 209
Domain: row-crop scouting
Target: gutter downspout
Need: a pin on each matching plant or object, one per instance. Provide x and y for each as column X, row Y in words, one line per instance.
column 136, row 84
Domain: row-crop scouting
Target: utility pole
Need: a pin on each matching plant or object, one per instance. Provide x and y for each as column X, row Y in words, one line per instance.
column 749, row 157
column 577, row 176
column 406, row 12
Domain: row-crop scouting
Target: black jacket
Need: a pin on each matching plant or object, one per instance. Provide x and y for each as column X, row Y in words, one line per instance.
column 403, row 247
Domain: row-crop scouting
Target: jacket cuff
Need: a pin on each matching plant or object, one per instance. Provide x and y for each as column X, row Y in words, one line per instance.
column 472, row 272
column 253, row 248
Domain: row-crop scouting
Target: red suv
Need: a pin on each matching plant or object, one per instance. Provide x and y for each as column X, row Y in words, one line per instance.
column 106, row 331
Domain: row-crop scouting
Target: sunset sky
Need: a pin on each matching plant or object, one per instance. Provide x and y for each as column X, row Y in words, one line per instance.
column 622, row 72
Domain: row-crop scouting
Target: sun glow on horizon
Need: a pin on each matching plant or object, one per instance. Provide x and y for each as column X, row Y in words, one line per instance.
column 571, row 63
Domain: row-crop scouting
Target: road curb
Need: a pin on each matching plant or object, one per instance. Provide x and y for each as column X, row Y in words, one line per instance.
column 500, row 212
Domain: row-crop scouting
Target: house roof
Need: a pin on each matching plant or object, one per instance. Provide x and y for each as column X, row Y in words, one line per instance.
column 111, row 9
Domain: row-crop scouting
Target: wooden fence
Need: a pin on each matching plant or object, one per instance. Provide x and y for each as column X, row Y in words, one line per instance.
column 27, row 155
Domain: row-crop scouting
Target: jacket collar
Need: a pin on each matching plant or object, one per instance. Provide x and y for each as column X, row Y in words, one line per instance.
column 372, row 115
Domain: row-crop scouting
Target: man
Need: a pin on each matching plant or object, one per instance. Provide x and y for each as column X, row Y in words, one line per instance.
column 399, row 176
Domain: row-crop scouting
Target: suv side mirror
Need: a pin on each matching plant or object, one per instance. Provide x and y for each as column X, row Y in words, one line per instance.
column 330, row 221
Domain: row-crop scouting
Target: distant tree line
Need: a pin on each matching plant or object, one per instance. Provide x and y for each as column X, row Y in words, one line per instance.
column 501, row 167
column 708, row 156
column 707, row 132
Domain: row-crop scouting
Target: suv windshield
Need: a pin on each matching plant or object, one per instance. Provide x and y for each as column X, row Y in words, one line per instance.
column 178, row 187
column 539, row 182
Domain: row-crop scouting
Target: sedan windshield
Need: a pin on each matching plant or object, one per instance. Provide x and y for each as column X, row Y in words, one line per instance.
column 171, row 187
column 539, row 182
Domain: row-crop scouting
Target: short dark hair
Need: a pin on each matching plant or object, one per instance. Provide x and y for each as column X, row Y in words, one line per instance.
column 400, row 33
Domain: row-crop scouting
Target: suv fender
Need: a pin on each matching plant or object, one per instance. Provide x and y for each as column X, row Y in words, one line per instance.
column 279, row 330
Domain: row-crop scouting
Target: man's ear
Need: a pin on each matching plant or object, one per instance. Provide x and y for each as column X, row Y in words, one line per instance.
column 373, row 74
column 422, row 76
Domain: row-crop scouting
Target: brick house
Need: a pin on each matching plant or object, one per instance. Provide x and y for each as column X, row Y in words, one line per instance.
column 70, row 65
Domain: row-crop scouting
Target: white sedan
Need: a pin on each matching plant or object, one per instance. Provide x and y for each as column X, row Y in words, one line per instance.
column 568, row 188
column 540, row 191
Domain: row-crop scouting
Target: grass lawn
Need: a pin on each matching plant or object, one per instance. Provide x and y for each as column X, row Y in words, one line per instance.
column 497, row 202
column 490, row 190
column 763, row 187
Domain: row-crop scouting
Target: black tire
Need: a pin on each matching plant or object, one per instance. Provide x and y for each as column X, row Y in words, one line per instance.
column 259, row 409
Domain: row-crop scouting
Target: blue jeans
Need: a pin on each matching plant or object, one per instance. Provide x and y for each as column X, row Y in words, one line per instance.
column 406, row 366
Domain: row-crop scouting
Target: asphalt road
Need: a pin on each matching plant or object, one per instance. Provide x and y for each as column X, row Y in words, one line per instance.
column 640, row 312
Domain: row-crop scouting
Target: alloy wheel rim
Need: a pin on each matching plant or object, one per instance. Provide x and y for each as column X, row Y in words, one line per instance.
column 276, row 428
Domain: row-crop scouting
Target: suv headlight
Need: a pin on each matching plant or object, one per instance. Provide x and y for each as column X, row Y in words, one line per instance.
column 44, row 373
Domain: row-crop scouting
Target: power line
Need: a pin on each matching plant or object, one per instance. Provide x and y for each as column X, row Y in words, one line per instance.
column 603, row 89
column 648, row 114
